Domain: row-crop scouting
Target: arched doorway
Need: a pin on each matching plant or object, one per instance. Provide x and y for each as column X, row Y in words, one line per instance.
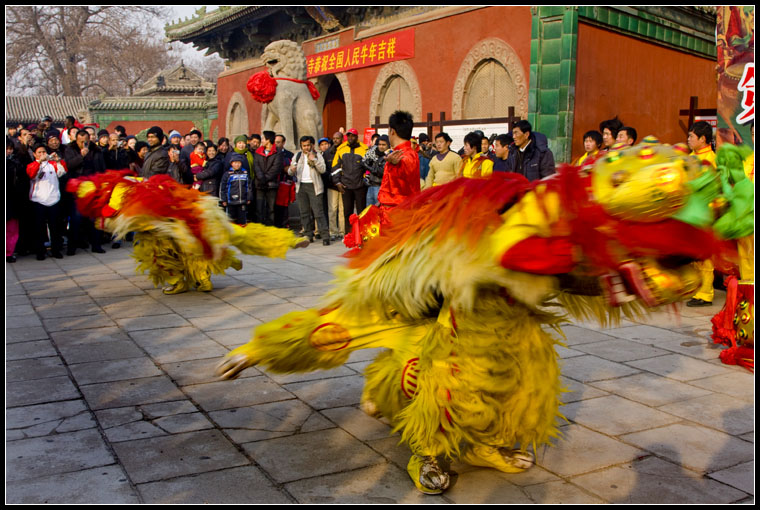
column 334, row 109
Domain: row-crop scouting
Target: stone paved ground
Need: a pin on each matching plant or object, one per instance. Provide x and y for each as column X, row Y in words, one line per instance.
column 111, row 398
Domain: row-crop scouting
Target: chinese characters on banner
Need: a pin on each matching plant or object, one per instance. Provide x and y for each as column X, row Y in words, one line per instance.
column 736, row 73
column 375, row 51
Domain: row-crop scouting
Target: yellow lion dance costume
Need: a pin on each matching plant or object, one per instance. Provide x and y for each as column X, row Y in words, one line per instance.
column 181, row 234
column 463, row 280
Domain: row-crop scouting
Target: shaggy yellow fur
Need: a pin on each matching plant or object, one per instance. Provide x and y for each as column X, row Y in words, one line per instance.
column 169, row 251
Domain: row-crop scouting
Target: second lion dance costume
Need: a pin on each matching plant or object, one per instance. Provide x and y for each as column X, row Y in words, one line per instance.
column 459, row 282
column 182, row 236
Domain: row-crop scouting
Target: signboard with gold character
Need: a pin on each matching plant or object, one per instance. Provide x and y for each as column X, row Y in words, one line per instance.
column 736, row 73
column 372, row 52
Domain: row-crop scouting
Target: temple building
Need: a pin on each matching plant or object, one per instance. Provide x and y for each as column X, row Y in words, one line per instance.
column 177, row 98
column 565, row 69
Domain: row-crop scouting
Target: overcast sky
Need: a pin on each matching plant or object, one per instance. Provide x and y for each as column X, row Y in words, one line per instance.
column 181, row 12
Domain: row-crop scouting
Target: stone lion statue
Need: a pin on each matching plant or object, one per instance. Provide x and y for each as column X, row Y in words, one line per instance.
column 293, row 109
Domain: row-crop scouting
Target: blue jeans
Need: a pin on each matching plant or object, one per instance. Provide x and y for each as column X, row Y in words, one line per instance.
column 372, row 195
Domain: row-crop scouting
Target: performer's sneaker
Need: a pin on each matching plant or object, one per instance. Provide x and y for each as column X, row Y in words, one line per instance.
column 237, row 265
column 698, row 302
column 427, row 475
column 177, row 288
column 503, row 459
column 205, row 286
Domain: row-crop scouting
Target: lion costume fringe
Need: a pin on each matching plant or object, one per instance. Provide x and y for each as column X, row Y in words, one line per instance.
column 181, row 235
column 464, row 281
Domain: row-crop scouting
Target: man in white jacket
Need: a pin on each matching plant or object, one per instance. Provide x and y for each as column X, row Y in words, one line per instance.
column 45, row 195
column 307, row 165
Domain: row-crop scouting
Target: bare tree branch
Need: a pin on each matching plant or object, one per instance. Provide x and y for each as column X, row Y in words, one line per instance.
column 78, row 48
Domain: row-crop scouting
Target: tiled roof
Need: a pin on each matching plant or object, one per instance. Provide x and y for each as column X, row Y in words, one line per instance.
column 154, row 103
column 206, row 21
column 31, row 109
column 178, row 81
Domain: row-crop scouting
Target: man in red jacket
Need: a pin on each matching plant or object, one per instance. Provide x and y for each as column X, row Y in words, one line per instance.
column 401, row 177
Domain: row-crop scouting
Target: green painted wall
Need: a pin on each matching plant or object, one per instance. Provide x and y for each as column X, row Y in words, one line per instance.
column 554, row 47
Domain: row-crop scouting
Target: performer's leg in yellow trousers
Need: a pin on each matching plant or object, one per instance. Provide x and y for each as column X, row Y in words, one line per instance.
column 706, row 293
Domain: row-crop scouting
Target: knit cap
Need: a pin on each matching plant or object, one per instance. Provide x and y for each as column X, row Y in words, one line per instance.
column 155, row 130
column 240, row 138
column 237, row 157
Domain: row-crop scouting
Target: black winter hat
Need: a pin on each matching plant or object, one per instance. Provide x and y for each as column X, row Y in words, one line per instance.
column 155, row 130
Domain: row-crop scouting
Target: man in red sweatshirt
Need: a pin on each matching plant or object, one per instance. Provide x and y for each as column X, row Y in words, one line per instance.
column 401, row 177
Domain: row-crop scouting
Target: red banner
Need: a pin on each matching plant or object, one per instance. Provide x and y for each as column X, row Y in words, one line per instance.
column 372, row 52
column 736, row 74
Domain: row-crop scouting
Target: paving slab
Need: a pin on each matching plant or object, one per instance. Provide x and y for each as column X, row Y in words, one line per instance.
column 312, row 454
column 357, row 423
column 233, row 337
column 39, row 391
column 15, row 335
column 680, row 367
column 100, row 352
column 132, row 306
column 44, row 419
column 591, row 368
column 177, row 344
column 36, row 368
column 721, row 412
column 131, row 392
column 22, row 321
column 693, row 446
column 650, row 389
column 620, row 350
column 200, row 371
column 238, row 393
column 576, row 391
column 327, row 393
column 581, row 450
column 30, row 350
column 152, row 322
column 55, row 454
column 242, row 485
column 741, row 476
column 88, row 337
column 655, row 481
column 268, row 421
column 738, row 384
column 340, row 371
column 118, row 370
column 561, row 492
column 162, row 458
column 57, row 311
column 613, row 415
column 102, row 485
column 379, row 484
column 99, row 320
column 230, row 320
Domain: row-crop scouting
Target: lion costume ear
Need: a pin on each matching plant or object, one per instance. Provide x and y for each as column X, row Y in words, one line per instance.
column 262, row 87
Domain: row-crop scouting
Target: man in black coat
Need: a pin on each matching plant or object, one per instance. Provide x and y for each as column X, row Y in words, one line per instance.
column 267, row 167
column 82, row 158
column 157, row 159
column 530, row 154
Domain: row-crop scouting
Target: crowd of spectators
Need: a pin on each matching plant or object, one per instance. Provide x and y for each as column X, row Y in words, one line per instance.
column 254, row 177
